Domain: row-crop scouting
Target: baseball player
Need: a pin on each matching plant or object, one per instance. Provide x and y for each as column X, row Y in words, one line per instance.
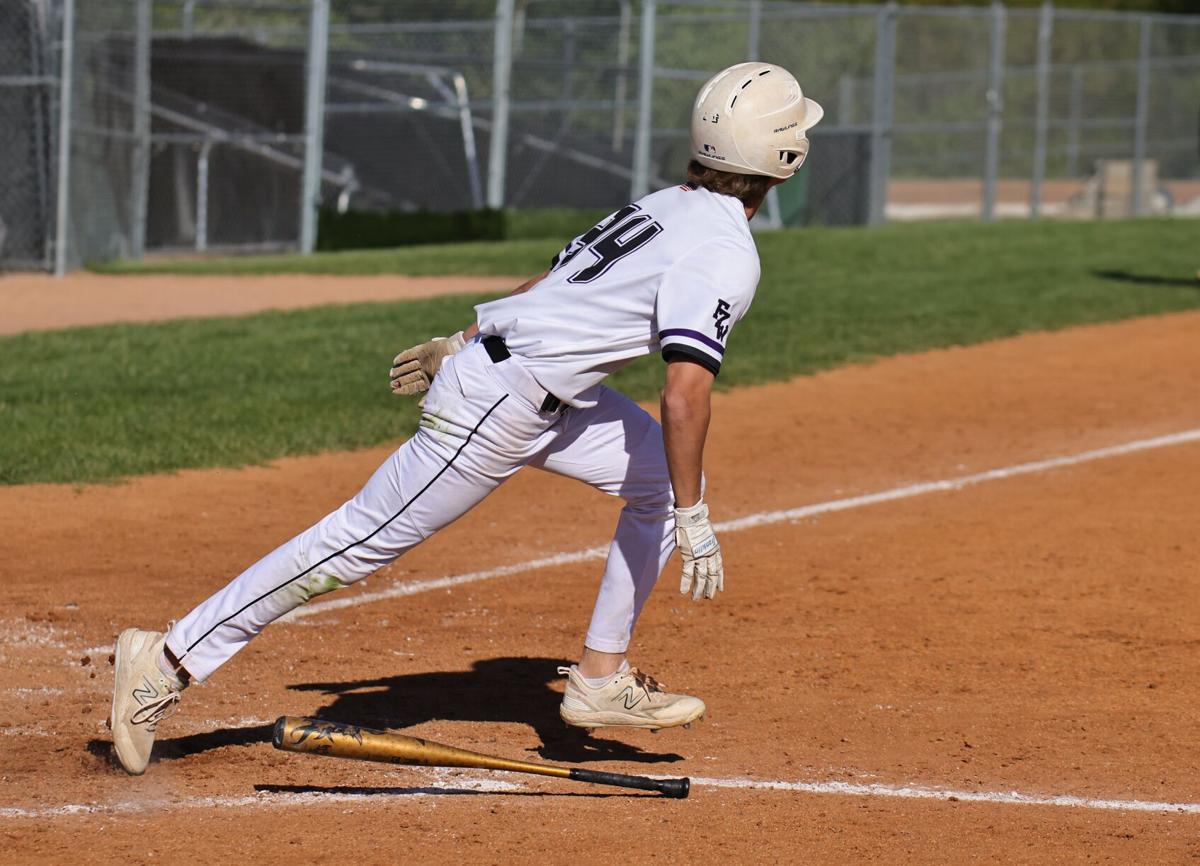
column 523, row 386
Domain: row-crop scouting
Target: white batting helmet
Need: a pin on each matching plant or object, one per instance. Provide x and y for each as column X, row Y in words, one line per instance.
column 751, row 119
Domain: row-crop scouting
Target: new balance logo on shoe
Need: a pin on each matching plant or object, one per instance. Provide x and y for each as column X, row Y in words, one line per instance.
column 630, row 699
column 145, row 693
column 142, row 697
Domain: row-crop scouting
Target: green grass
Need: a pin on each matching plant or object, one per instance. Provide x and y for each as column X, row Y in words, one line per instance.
column 105, row 402
column 534, row 236
column 477, row 257
column 557, row 223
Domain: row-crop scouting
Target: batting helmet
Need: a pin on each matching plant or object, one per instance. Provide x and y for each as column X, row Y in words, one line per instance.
column 751, row 119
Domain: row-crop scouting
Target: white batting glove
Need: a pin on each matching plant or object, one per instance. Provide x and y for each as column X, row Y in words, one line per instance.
column 703, row 570
column 413, row 369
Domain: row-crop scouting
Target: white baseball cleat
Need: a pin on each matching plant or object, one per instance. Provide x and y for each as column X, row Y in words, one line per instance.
column 142, row 697
column 631, row 699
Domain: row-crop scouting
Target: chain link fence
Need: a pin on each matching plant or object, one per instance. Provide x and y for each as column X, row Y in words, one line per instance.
column 28, row 101
column 409, row 104
column 140, row 125
column 105, row 136
column 228, row 105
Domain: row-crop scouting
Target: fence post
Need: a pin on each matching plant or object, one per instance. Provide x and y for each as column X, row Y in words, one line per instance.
column 846, row 92
column 640, row 184
column 995, row 106
column 1041, row 112
column 141, row 129
column 881, row 111
column 501, row 82
column 468, row 136
column 314, row 123
column 622, row 84
column 39, row 40
column 1074, row 120
column 66, row 72
column 771, row 214
column 754, row 30
column 188, row 18
column 1140, row 114
column 202, row 195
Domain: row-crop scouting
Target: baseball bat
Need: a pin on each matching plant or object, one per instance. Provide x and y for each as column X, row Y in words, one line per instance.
column 320, row 737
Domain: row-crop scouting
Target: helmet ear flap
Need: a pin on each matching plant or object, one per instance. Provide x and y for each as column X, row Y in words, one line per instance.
column 793, row 158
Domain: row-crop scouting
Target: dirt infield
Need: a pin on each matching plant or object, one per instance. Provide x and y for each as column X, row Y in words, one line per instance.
column 957, row 198
column 35, row 302
column 910, row 677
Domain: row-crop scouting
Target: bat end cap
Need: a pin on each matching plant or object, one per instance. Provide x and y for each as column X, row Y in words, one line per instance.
column 277, row 732
column 677, row 789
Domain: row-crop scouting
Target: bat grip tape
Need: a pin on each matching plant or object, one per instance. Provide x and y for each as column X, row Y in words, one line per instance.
column 676, row 788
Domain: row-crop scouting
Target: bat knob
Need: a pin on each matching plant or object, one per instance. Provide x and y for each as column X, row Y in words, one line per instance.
column 675, row 788
column 277, row 732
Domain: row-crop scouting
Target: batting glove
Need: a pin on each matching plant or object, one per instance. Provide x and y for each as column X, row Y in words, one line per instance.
column 413, row 369
column 703, row 571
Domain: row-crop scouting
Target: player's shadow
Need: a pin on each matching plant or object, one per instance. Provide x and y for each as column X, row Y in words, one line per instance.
column 172, row 748
column 515, row 690
column 1148, row 279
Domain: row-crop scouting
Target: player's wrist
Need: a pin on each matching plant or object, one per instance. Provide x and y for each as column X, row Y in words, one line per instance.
column 690, row 515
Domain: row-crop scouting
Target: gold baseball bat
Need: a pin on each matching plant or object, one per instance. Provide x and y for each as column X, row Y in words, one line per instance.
column 337, row 740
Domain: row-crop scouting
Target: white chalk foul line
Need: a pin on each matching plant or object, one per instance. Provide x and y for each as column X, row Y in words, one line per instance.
column 266, row 799
column 487, row 785
column 764, row 518
column 918, row 792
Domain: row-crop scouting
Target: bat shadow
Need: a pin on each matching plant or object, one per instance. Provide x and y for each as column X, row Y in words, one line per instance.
column 513, row 689
column 397, row 791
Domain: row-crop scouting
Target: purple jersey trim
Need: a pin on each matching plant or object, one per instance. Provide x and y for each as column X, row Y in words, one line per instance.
column 693, row 335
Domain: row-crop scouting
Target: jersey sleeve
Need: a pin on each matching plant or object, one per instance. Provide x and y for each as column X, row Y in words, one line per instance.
column 701, row 298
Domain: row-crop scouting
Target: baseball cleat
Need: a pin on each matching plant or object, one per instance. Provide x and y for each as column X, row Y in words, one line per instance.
column 142, row 697
column 630, row 699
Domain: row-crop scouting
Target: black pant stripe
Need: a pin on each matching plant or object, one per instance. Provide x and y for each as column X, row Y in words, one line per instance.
column 362, row 540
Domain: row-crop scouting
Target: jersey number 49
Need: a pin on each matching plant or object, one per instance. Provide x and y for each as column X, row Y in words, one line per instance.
column 610, row 241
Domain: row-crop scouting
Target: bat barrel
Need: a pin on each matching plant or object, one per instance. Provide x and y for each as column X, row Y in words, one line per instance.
column 339, row 740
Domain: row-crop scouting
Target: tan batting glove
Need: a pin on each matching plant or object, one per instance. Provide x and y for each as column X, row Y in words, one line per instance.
column 703, row 570
column 413, row 369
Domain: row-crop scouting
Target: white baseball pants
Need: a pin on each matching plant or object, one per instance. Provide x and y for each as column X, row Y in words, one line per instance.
column 481, row 423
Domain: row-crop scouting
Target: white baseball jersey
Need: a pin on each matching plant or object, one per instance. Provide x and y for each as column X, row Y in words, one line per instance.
column 672, row 272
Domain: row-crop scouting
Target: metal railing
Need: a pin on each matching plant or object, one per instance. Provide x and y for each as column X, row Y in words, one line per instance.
column 136, row 125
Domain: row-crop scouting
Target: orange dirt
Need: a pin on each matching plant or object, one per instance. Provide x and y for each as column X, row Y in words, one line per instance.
column 1037, row 633
column 970, row 190
column 36, row 302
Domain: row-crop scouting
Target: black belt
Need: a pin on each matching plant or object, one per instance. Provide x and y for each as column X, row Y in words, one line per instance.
column 498, row 351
